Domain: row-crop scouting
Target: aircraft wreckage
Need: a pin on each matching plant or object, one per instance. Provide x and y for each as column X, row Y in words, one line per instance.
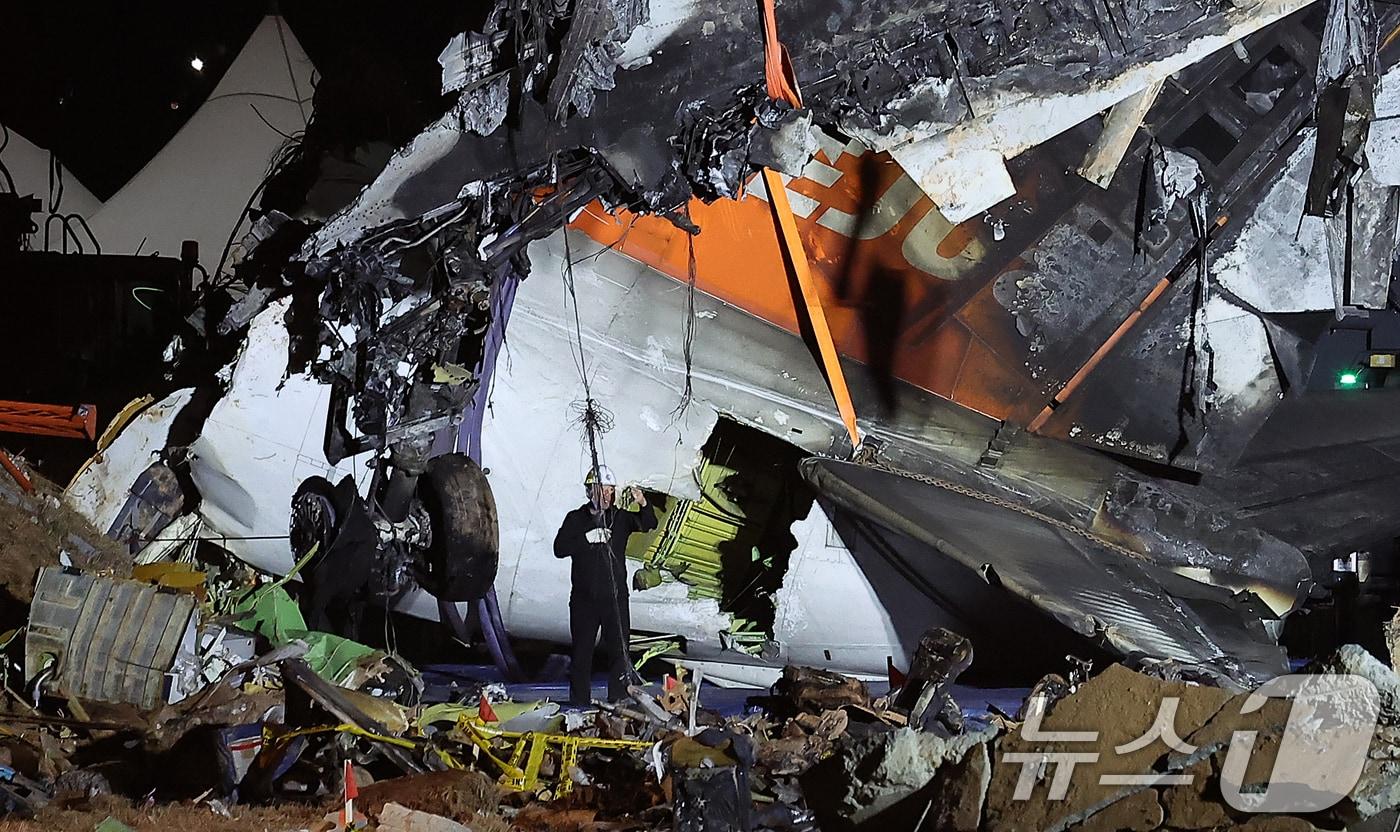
column 981, row 316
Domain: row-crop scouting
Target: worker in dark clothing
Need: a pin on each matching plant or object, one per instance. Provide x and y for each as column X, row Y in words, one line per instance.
column 595, row 536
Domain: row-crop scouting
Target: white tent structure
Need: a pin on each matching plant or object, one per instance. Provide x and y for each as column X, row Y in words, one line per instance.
column 29, row 166
column 197, row 186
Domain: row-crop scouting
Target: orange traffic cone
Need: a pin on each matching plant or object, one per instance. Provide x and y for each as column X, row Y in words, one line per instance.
column 897, row 679
column 485, row 711
column 348, row 819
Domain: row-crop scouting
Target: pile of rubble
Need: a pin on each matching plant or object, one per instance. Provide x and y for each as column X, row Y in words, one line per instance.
column 1126, row 750
column 195, row 695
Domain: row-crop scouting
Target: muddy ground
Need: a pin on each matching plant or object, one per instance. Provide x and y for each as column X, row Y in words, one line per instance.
column 34, row 530
column 183, row 817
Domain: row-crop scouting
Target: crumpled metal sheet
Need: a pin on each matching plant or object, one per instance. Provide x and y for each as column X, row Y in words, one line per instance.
column 1346, row 80
column 473, row 64
column 469, row 57
column 1176, row 177
column 588, row 61
column 713, row 147
column 1349, row 40
column 110, row 640
column 483, row 108
column 1383, row 139
column 886, row 72
column 782, row 139
column 1361, row 212
column 1181, row 532
column 1195, row 376
column 1136, row 608
column 1361, row 245
column 719, row 149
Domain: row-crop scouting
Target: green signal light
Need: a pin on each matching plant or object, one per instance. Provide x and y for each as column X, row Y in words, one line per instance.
column 1348, row 380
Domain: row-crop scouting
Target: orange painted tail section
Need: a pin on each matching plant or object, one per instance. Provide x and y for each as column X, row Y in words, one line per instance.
column 904, row 292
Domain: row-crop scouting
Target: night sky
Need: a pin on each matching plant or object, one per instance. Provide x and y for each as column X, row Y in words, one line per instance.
column 106, row 85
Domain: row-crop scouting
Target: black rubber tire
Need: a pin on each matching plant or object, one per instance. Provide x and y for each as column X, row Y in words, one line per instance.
column 465, row 553
column 301, row 539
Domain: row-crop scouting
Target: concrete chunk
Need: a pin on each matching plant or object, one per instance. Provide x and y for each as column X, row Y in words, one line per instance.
column 892, row 777
column 1378, row 788
column 396, row 818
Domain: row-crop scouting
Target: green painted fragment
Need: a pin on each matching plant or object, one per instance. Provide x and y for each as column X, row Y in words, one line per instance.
column 271, row 613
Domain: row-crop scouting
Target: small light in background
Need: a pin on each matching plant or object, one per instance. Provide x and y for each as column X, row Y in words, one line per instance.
column 1348, row 380
column 197, row 64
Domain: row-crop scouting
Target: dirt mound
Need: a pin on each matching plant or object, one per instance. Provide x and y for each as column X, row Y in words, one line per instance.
column 185, row 817
column 460, row 795
column 35, row 529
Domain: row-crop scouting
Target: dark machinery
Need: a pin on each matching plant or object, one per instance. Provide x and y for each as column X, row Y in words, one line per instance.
column 400, row 323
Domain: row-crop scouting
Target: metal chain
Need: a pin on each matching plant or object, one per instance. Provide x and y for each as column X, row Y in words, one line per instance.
column 1001, row 502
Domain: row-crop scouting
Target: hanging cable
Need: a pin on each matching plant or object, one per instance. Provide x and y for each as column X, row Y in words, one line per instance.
column 274, row 128
column 55, row 202
column 55, row 183
column 291, row 75
column 273, row 96
column 688, row 339
column 280, row 160
column 4, row 171
column 595, row 421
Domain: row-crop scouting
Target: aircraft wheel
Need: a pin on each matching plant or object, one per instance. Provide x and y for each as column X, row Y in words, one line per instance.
column 465, row 550
column 314, row 517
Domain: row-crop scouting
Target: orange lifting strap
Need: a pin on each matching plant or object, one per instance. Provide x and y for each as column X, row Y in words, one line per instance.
column 782, row 85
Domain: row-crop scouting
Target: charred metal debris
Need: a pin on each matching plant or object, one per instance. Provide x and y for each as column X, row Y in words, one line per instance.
column 397, row 318
column 398, row 304
column 397, row 321
column 392, row 297
column 668, row 95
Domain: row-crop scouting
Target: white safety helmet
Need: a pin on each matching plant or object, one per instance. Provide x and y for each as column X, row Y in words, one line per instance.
column 602, row 475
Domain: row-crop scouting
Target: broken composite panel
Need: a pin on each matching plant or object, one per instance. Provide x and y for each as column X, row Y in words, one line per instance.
column 1082, row 367
column 998, row 371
